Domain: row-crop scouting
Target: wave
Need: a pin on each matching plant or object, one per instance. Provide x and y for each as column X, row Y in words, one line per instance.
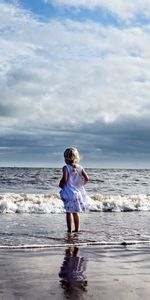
column 47, row 204
column 82, row 244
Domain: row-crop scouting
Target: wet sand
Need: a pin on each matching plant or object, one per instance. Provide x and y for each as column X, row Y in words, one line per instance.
column 71, row 273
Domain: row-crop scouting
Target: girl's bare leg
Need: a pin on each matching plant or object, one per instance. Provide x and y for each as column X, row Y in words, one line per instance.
column 69, row 221
column 76, row 221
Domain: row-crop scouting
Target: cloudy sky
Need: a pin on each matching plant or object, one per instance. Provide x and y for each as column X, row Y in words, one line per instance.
column 75, row 72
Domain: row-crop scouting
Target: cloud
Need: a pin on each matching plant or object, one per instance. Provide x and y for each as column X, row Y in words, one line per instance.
column 124, row 143
column 125, row 10
column 63, row 81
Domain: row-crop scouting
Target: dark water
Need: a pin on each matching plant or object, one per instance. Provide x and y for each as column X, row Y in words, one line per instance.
column 103, row 181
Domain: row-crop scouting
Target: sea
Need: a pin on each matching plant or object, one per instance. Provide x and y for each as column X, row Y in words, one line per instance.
column 32, row 213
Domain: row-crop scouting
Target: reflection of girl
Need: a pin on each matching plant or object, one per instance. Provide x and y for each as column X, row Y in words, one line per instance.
column 72, row 270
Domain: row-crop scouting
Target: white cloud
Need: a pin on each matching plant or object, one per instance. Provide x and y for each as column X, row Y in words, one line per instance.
column 124, row 9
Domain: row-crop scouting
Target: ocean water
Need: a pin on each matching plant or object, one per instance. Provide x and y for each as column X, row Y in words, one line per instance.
column 32, row 212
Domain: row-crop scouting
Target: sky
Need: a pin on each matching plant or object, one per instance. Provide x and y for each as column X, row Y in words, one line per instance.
column 75, row 73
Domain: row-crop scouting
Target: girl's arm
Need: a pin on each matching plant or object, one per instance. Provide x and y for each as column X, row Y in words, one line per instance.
column 64, row 178
column 85, row 176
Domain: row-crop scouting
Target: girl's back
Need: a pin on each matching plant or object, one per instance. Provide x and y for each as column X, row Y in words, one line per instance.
column 74, row 178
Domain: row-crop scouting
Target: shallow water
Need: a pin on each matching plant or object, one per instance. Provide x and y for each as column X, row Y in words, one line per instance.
column 95, row 227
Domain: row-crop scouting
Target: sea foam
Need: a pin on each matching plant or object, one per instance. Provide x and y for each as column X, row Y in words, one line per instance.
column 47, row 204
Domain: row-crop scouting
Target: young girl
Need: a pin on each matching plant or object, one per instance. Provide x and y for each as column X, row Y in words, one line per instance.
column 72, row 190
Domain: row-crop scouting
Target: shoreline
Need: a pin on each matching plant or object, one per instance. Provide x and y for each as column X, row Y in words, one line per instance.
column 73, row 244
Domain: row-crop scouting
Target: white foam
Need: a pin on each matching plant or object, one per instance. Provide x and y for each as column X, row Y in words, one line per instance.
column 82, row 244
column 46, row 203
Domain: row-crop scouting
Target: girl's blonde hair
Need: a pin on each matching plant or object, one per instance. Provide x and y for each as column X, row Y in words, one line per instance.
column 72, row 157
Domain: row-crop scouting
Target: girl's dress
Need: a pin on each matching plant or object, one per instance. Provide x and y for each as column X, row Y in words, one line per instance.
column 73, row 193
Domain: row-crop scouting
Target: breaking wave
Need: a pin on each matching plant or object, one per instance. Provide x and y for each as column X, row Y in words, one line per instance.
column 47, row 204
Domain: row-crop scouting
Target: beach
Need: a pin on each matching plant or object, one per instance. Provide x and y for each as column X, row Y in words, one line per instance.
column 121, row 272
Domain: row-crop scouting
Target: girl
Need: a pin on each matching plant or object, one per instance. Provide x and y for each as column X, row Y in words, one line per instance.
column 72, row 190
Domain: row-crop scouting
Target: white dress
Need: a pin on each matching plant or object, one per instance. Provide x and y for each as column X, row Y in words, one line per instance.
column 73, row 193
